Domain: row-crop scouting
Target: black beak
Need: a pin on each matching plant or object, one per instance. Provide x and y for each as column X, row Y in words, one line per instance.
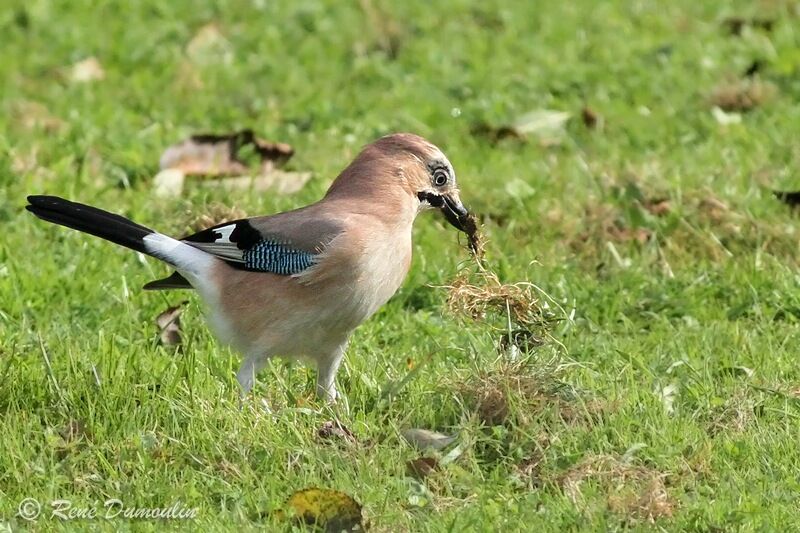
column 454, row 211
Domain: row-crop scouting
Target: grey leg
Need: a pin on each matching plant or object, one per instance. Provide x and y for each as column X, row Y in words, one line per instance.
column 246, row 376
column 326, row 374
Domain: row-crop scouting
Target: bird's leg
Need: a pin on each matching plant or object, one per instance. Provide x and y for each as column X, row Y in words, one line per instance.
column 326, row 374
column 246, row 376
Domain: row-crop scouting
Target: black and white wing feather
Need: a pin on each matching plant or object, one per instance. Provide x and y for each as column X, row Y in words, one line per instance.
column 244, row 247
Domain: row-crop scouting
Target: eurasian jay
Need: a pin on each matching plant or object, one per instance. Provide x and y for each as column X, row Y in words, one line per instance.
column 296, row 284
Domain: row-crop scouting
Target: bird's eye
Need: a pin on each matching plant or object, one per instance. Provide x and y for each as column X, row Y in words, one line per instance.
column 440, row 177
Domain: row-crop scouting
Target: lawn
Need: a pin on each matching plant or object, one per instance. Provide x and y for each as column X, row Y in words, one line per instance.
column 665, row 391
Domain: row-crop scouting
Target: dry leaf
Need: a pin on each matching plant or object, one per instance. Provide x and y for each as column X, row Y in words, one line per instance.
column 545, row 124
column 209, row 46
column 169, row 324
column 87, row 70
column 657, row 206
column 34, row 115
column 168, row 183
column 590, row 118
column 277, row 180
column 725, row 119
column 424, row 439
column 422, row 467
column 333, row 429
column 221, row 155
column 740, row 95
column 332, row 510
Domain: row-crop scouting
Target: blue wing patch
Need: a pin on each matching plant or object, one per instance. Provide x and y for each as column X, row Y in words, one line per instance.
column 275, row 257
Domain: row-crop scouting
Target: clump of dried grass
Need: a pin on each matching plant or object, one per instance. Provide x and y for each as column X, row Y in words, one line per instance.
column 488, row 297
column 741, row 95
column 636, row 491
column 734, row 416
column 516, row 387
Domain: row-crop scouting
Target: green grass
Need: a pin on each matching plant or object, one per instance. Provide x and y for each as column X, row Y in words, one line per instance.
column 589, row 442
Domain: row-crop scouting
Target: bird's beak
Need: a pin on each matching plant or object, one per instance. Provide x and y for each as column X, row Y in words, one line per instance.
column 454, row 211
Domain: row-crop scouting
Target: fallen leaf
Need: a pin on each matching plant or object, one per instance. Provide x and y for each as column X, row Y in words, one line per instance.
column 332, row 510
column 657, row 206
column 277, row 180
column 209, row 46
column 667, row 395
column 542, row 122
column 422, row 467
column 724, row 118
column 741, row 95
column 590, row 118
column 86, row 70
column 333, row 429
column 212, row 155
column 34, row 115
column 519, row 189
column 545, row 124
column 424, row 439
column 169, row 324
column 168, row 183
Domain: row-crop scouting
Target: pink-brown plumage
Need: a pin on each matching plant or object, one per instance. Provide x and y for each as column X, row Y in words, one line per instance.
column 359, row 236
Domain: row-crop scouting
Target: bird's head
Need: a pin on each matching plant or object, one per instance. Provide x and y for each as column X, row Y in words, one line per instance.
column 407, row 167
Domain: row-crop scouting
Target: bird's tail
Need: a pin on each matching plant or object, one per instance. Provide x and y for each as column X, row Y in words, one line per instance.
column 119, row 230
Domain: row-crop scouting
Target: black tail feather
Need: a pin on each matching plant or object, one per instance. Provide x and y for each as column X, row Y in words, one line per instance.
column 174, row 281
column 97, row 222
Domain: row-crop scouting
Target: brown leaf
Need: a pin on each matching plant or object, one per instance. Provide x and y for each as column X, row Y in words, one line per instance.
column 590, row 117
column 87, row 70
column 35, row 115
column 422, row 467
column 277, row 180
column 168, row 183
column 546, row 125
column 212, row 155
column 742, row 95
column 657, row 206
column 333, row 429
column 169, row 324
column 331, row 510
column 209, row 46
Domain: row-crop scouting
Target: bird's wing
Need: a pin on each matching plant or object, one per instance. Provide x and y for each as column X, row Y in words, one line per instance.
column 285, row 244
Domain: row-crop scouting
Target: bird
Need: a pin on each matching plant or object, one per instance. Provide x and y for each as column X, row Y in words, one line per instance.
column 297, row 284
